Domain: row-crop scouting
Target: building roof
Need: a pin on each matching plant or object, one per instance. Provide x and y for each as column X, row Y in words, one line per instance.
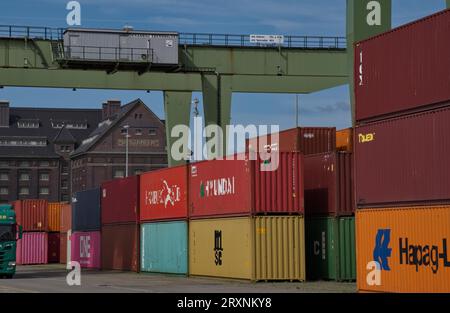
column 30, row 123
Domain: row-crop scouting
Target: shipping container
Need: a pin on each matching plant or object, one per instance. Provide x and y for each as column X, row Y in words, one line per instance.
column 344, row 140
column 164, row 247
column 404, row 160
column 54, row 242
column 32, row 249
column 404, row 69
column 63, row 257
column 120, row 247
column 251, row 248
column 308, row 140
column 107, row 45
column 164, row 194
column 120, row 201
column 330, row 248
column 54, row 216
column 32, row 214
column 247, row 187
column 66, row 218
column 86, row 210
column 85, row 249
column 329, row 184
column 403, row 249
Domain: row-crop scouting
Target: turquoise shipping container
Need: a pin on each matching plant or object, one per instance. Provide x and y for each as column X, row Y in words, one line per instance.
column 164, row 247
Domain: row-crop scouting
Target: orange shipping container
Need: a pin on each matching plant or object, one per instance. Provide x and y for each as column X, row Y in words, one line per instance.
column 66, row 218
column 344, row 140
column 54, row 216
column 403, row 249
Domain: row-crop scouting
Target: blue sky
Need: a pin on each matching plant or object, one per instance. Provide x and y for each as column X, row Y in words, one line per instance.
column 288, row 17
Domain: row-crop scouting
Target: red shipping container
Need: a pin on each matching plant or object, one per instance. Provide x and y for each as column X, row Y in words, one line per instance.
column 404, row 69
column 66, row 218
column 404, row 160
column 32, row 249
column 164, row 194
column 53, row 247
column 329, row 184
column 120, row 247
column 85, row 249
column 308, row 140
column 241, row 188
column 32, row 214
column 120, row 201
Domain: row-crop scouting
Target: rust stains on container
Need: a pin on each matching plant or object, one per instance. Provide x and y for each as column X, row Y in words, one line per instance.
column 404, row 160
column 404, row 69
column 32, row 214
column 409, row 246
column 247, row 187
column 329, row 184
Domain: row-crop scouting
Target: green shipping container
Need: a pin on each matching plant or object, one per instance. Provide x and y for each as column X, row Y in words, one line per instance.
column 330, row 248
column 164, row 247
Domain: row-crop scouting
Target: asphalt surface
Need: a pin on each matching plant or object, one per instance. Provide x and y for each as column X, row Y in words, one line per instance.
column 52, row 279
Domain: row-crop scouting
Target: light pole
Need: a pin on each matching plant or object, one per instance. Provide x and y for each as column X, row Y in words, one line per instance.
column 196, row 114
column 126, row 127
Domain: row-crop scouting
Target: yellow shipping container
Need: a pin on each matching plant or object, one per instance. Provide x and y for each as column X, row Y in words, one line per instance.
column 253, row 248
column 403, row 249
column 54, row 216
column 344, row 140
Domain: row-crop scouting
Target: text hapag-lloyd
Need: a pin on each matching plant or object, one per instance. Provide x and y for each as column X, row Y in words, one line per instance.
column 218, row 187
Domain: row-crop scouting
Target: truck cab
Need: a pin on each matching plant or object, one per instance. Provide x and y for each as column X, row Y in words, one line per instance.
column 10, row 232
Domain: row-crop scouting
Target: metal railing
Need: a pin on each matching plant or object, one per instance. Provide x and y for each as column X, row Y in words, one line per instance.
column 108, row 54
column 195, row 39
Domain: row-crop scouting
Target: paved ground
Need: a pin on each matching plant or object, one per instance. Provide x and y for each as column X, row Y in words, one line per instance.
column 52, row 278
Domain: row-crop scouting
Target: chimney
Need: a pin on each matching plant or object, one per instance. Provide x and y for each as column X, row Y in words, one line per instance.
column 109, row 108
column 4, row 113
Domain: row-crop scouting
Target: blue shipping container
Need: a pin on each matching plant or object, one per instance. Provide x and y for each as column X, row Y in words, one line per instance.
column 86, row 210
column 164, row 247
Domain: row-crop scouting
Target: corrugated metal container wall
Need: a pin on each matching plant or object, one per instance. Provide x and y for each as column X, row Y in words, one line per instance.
column 120, row 247
column 308, row 140
column 404, row 160
column 330, row 248
column 164, row 247
column 393, row 83
column 164, row 194
column 54, row 216
column 344, row 140
column 409, row 245
column 86, row 211
column 241, row 187
column 66, row 218
column 254, row 248
column 63, row 248
column 120, row 201
column 32, row 214
column 54, row 242
column 329, row 184
column 85, row 249
column 32, row 249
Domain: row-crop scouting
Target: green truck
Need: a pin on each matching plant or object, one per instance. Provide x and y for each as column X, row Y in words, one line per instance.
column 10, row 232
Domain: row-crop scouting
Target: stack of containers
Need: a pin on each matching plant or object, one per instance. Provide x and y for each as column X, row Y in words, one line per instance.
column 32, row 215
column 329, row 211
column 246, row 218
column 54, row 227
column 401, row 158
column 86, row 225
column 65, row 233
column 163, row 216
column 120, row 224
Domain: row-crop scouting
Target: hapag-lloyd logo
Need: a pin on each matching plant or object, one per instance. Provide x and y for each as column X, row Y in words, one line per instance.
column 166, row 195
column 217, row 187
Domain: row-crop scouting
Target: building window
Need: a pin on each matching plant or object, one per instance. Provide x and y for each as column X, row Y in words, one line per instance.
column 152, row 132
column 65, row 198
column 24, row 177
column 4, row 176
column 119, row 174
column 44, row 177
column 64, row 184
column 65, row 170
column 44, row 164
column 23, row 191
column 44, row 191
column 4, row 163
column 65, row 149
column 138, row 131
column 140, row 115
column 24, row 164
column 138, row 172
column 4, row 191
column 27, row 124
